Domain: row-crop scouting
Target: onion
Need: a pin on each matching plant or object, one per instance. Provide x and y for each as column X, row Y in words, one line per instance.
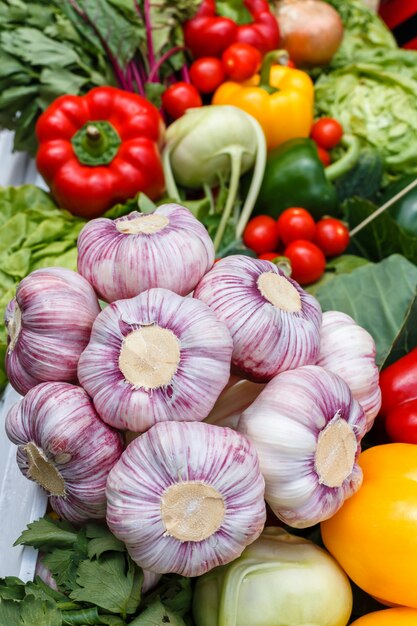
column 311, row 30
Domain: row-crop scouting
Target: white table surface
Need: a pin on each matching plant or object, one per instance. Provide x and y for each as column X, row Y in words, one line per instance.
column 21, row 500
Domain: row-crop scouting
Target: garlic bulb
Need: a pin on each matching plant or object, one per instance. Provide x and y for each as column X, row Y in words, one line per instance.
column 348, row 350
column 274, row 323
column 65, row 447
column 186, row 497
column 168, row 248
column 48, row 325
column 307, row 429
column 155, row 357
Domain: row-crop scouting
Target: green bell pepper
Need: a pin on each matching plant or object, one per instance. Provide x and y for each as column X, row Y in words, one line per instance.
column 295, row 177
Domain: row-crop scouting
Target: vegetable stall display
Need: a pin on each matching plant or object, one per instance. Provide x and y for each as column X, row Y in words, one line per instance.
column 204, row 345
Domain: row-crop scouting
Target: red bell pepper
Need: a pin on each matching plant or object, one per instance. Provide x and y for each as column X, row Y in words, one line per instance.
column 208, row 34
column 398, row 384
column 100, row 149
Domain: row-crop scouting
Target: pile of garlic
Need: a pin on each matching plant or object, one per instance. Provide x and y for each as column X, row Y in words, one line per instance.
column 162, row 360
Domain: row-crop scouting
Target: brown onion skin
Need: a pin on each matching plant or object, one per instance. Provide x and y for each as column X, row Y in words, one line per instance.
column 311, row 31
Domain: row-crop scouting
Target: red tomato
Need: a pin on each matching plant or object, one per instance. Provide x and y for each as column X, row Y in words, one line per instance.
column 241, row 61
column 269, row 256
column 207, row 74
column 296, row 223
column 324, row 156
column 261, row 234
column 307, row 261
column 332, row 236
column 326, row 132
column 401, row 423
column 179, row 97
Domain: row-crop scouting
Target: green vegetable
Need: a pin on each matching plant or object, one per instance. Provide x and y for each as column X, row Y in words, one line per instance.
column 278, row 579
column 378, row 296
column 363, row 30
column 294, row 176
column 98, row 583
column 344, row 264
column 404, row 211
column 383, row 235
column 207, row 147
column 364, row 179
column 378, row 107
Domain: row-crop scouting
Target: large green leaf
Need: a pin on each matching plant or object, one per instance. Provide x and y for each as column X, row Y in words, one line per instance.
column 378, row 297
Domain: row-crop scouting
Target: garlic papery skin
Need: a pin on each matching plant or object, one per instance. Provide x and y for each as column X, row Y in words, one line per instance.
column 349, row 350
column 274, row 323
column 156, row 357
column 186, row 497
column 48, row 325
column 232, row 402
column 168, row 248
column 306, row 428
column 65, row 447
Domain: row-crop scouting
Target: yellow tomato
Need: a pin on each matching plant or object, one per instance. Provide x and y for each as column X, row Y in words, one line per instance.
column 391, row 617
column 374, row 534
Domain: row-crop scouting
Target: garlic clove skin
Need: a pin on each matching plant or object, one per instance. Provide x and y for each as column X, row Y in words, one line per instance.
column 349, row 350
column 306, row 428
column 156, row 357
column 168, row 248
column 186, row 497
column 65, row 447
column 274, row 323
column 48, row 325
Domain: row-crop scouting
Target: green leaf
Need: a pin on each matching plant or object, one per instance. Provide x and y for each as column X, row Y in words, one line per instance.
column 378, row 297
column 174, row 592
column 57, row 81
column 145, row 204
column 102, row 540
column 381, row 237
column 12, row 588
column 344, row 264
column 46, row 532
column 235, row 10
column 153, row 92
column 106, row 582
column 84, row 617
column 406, row 338
column 64, row 564
column 157, row 615
column 10, row 613
column 42, row 613
column 33, row 47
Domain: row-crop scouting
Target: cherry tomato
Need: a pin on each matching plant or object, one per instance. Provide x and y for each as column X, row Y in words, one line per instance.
column 261, row 234
column 206, row 74
column 326, row 132
column 307, row 261
column 179, row 97
column 324, row 156
column 241, row 61
column 296, row 223
column 401, row 423
column 269, row 256
column 332, row 236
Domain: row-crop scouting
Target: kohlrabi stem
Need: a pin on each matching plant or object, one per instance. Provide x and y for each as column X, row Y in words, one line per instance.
column 383, row 208
column 154, row 71
column 229, row 597
column 209, row 195
column 170, row 184
column 347, row 161
column 257, row 177
column 235, row 153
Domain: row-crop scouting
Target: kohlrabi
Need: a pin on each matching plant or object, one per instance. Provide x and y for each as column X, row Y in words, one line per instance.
column 279, row 580
column 212, row 144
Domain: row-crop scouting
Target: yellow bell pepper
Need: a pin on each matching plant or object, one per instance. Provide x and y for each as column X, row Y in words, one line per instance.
column 284, row 114
column 374, row 535
column 392, row 617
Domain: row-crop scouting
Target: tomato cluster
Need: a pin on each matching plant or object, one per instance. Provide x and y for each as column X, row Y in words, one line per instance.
column 296, row 236
column 327, row 133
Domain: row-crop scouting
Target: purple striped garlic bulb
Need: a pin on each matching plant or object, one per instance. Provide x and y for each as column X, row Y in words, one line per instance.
column 349, row 350
column 186, row 497
column 307, row 429
column 48, row 326
column 274, row 323
column 168, row 248
column 65, row 447
column 153, row 358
